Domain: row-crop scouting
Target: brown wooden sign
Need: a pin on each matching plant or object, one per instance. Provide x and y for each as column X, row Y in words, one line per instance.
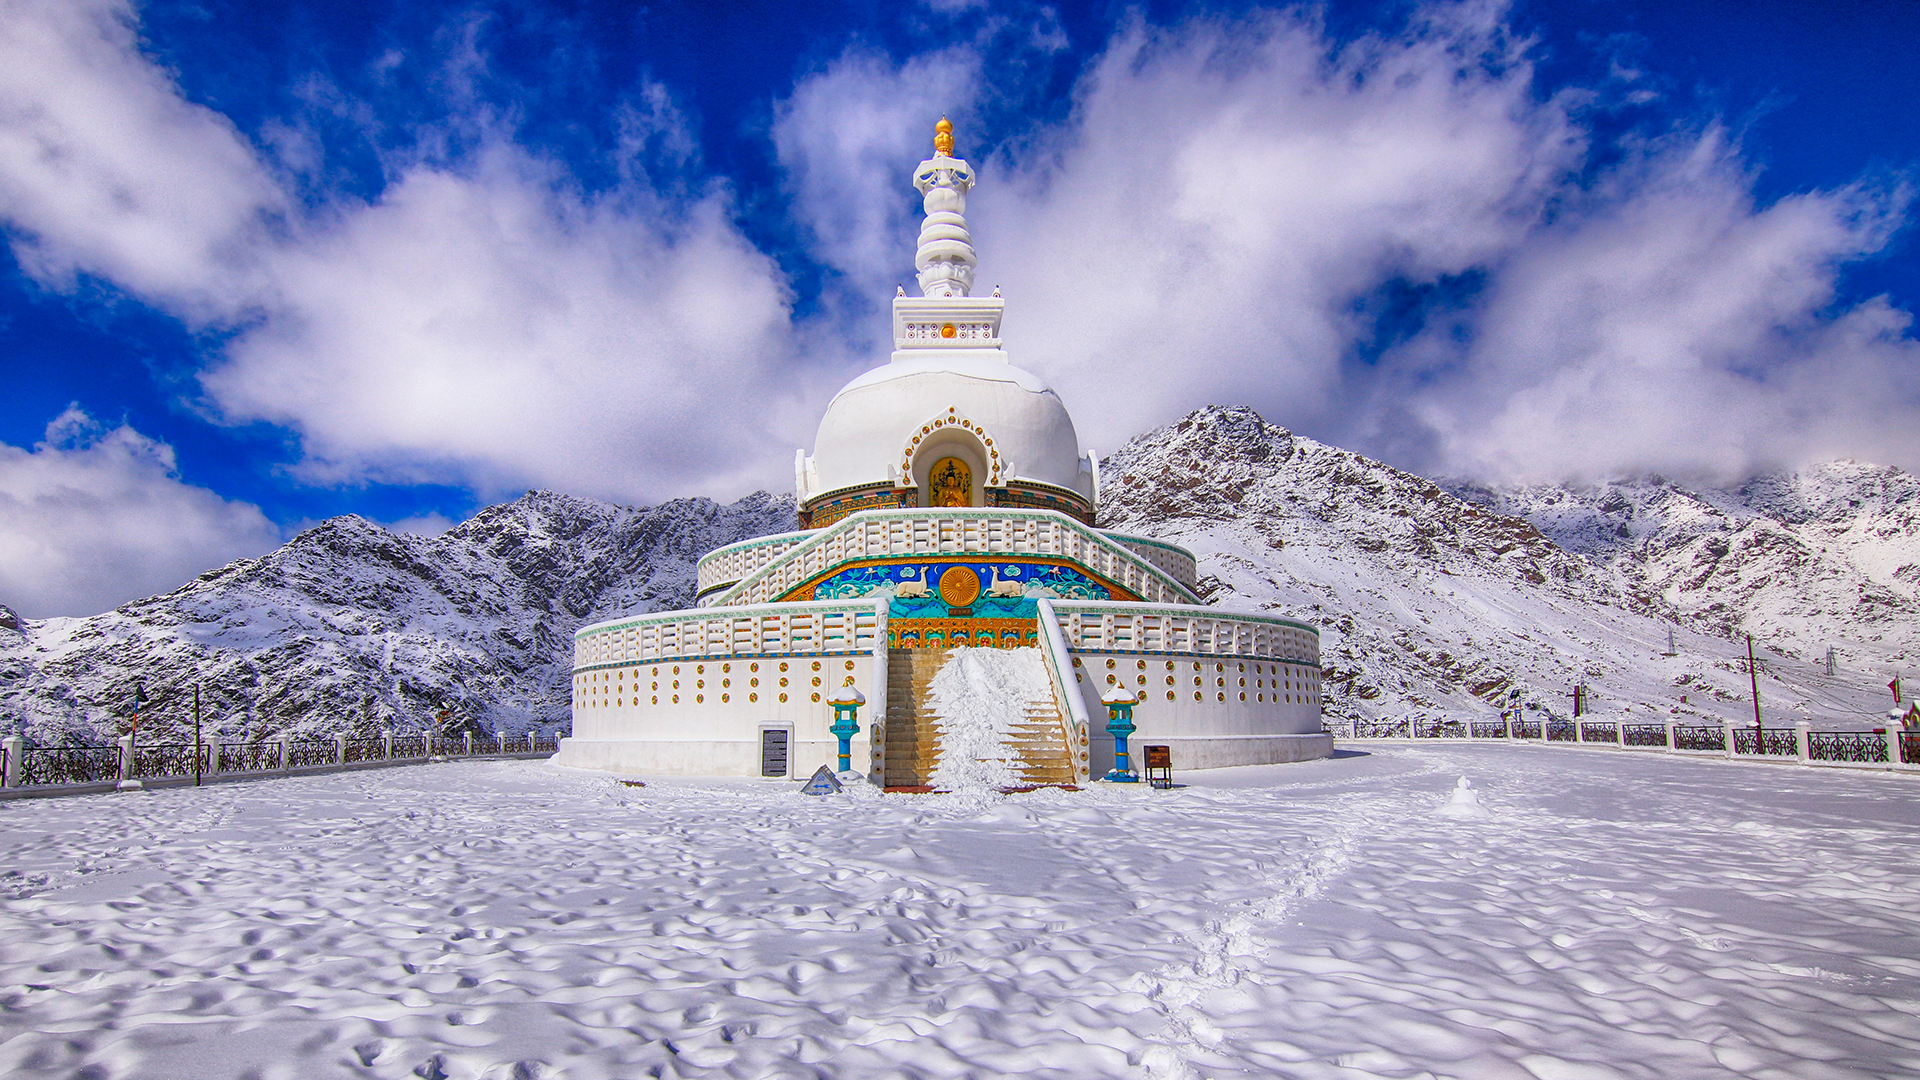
column 1158, row 757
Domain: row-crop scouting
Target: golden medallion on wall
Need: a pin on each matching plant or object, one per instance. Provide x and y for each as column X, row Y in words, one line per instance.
column 959, row 586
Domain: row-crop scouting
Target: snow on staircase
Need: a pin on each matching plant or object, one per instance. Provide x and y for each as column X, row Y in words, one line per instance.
column 999, row 725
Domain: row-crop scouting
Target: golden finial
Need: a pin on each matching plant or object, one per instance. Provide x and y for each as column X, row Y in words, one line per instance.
column 943, row 138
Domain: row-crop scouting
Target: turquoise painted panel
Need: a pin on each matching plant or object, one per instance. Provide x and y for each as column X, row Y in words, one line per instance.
column 915, row 588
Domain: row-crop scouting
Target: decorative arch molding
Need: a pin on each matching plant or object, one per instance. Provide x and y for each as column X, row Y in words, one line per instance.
column 950, row 421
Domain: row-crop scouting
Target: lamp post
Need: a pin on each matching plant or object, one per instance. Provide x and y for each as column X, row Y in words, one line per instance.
column 1119, row 702
column 846, row 724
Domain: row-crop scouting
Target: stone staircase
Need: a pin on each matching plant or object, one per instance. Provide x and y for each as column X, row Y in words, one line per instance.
column 1046, row 759
column 912, row 744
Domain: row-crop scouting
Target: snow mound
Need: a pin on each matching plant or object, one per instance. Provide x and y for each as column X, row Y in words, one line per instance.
column 978, row 697
column 1464, row 803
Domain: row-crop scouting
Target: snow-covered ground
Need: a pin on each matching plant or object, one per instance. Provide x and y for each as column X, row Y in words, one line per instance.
column 1614, row 916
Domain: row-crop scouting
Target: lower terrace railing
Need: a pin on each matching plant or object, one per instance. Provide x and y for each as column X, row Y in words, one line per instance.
column 23, row 766
column 1879, row 747
column 45, row 766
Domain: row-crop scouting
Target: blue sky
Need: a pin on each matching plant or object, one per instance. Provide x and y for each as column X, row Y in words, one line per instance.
column 271, row 262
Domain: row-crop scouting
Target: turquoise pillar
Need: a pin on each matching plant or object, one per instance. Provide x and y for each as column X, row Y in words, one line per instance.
column 1119, row 702
column 846, row 722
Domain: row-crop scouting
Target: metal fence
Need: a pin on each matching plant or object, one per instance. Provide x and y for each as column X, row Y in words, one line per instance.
column 1866, row 747
column 1699, row 737
column 1604, row 731
column 45, row 765
column 161, row 760
column 1643, row 734
column 363, row 750
column 249, row 757
column 56, row 766
column 306, row 753
column 1766, row 742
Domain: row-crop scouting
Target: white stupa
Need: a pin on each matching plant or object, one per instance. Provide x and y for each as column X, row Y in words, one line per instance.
column 947, row 504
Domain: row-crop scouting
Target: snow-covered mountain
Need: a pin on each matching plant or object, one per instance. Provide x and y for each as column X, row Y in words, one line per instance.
column 1435, row 604
column 1442, row 600
column 350, row 625
column 1825, row 556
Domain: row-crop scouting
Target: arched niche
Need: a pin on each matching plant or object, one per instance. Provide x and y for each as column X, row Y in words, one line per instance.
column 951, row 442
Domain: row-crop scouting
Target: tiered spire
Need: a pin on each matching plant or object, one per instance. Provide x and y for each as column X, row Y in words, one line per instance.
column 945, row 259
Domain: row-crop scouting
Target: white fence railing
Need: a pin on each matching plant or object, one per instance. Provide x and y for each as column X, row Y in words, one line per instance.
column 1103, row 626
column 1066, row 689
column 816, row 628
column 727, row 565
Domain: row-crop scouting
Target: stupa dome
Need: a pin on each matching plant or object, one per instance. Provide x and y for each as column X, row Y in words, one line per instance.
column 871, row 428
column 948, row 422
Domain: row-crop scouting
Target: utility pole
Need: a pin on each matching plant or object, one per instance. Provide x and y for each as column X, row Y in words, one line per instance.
column 1753, row 675
column 1830, row 664
column 1671, row 651
column 1579, row 699
column 196, row 734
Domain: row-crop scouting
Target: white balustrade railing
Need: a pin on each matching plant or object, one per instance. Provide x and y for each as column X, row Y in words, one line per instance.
column 814, row 628
column 882, row 533
column 1106, row 626
column 1066, row 689
column 1177, row 561
column 724, row 566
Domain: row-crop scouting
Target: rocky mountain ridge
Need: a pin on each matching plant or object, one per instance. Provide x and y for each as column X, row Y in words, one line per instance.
column 1436, row 599
column 351, row 626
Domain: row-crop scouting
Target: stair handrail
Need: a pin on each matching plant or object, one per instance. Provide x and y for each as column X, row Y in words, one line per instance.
column 877, row 719
column 1073, row 714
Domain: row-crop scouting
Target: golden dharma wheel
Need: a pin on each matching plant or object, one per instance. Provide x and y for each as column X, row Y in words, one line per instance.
column 959, row 586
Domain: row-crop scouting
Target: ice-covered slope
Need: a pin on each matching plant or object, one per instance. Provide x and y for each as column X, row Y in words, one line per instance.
column 351, row 625
column 1432, row 604
column 1825, row 556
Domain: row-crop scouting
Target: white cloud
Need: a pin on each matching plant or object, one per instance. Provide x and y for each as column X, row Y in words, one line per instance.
column 1673, row 326
column 105, row 169
column 849, row 136
column 1210, row 224
column 494, row 327
column 91, row 518
column 1219, row 215
column 482, row 322
column 1227, row 192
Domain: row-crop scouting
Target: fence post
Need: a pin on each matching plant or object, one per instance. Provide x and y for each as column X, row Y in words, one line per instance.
column 340, row 749
column 1803, row 740
column 1893, row 744
column 1579, row 731
column 1726, row 726
column 469, row 744
column 213, row 756
column 16, row 746
column 1670, row 734
column 126, row 756
column 386, row 746
column 501, row 740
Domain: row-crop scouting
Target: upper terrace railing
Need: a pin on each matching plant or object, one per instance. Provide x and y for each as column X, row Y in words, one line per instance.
column 1177, row 561
column 811, row 628
column 782, row 563
column 1108, row 626
column 91, row 767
